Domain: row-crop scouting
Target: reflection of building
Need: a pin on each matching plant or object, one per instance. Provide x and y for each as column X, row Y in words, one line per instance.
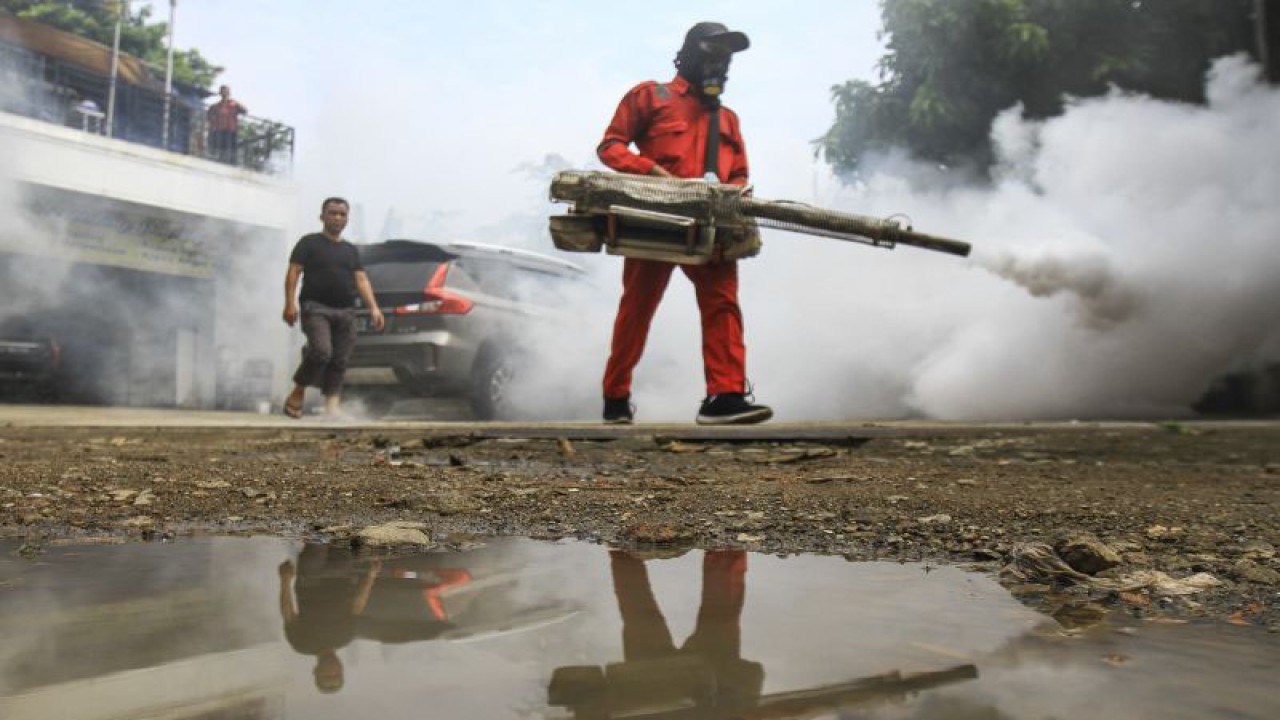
column 121, row 633
column 133, row 258
column 243, row 684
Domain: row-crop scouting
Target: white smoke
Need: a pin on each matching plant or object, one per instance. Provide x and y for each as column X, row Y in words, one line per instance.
column 1138, row 242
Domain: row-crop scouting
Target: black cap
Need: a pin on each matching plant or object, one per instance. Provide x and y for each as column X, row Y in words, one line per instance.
column 715, row 37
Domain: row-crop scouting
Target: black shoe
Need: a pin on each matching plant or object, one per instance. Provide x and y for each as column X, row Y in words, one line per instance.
column 619, row 411
column 731, row 409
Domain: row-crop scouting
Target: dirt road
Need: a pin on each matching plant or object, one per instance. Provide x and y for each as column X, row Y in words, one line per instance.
column 1186, row 514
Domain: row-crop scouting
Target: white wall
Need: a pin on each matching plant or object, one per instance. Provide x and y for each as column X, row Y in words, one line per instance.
column 45, row 154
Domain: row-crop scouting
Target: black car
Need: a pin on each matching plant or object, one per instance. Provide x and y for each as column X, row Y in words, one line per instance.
column 29, row 361
column 459, row 318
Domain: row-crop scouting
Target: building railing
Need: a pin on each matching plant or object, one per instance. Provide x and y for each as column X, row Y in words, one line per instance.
column 48, row 89
column 260, row 144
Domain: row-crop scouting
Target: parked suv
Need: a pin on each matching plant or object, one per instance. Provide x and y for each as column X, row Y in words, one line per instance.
column 456, row 314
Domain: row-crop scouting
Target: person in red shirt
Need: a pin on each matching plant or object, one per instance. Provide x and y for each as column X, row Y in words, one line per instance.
column 224, row 125
column 680, row 129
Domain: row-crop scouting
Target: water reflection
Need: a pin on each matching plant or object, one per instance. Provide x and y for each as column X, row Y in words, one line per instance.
column 269, row 629
column 706, row 671
column 322, row 616
column 706, row 676
column 118, row 632
column 331, row 596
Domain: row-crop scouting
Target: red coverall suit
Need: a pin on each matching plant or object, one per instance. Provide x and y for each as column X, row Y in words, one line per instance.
column 668, row 124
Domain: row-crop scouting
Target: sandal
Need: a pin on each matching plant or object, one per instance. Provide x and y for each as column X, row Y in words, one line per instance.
column 293, row 411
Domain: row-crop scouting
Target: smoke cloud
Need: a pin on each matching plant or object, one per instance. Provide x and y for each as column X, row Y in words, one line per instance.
column 1129, row 250
column 1102, row 297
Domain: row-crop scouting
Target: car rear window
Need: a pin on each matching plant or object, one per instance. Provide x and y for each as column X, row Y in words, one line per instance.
column 392, row 277
column 400, row 269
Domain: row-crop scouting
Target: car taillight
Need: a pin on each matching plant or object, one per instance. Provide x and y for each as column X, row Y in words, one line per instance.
column 436, row 300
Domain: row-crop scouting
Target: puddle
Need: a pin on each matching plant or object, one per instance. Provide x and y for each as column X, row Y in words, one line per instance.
column 269, row 628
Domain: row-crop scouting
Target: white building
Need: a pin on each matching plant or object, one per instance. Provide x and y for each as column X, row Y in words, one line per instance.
column 132, row 257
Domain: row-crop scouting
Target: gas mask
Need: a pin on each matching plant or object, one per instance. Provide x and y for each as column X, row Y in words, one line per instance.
column 712, row 75
column 704, row 58
column 707, row 72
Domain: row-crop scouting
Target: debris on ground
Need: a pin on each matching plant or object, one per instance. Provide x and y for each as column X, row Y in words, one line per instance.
column 1162, row 522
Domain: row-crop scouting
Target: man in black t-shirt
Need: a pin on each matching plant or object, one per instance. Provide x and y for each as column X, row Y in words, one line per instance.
column 332, row 276
column 320, row 602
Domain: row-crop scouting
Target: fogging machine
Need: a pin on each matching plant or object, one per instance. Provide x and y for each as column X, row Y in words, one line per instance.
column 694, row 221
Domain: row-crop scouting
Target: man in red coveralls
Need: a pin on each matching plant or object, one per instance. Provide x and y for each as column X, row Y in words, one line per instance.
column 681, row 130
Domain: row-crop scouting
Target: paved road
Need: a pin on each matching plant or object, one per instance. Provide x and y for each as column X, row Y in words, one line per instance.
column 85, row 416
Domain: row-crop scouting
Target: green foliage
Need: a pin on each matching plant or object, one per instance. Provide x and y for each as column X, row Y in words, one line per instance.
column 263, row 142
column 96, row 20
column 951, row 65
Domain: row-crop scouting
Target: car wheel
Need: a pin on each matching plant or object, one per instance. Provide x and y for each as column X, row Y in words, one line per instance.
column 491, row 386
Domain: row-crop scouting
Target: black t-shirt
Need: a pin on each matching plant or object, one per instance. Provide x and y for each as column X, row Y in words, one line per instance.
column 324, row 620
column 328, row 270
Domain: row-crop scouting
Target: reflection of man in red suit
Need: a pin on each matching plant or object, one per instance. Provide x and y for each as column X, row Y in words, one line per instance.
column 706, row 677
column 706, row 671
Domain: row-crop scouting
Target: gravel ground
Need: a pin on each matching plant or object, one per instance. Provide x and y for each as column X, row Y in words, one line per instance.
column 1193, row 501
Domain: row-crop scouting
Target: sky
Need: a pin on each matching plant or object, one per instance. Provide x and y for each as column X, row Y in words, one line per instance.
column 432, row 107
column 1123, row 260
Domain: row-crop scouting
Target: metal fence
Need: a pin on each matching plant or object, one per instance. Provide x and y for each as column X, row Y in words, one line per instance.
column 260, row 144
column 51, row 90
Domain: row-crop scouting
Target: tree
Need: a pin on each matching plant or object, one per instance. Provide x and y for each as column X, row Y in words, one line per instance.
column 96, row 20
column 952, row 65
